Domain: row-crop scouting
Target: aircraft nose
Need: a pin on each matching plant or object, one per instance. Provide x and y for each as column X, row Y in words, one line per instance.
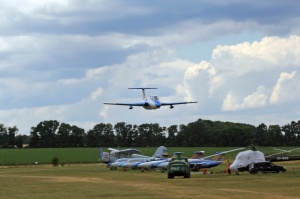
column 146, row 104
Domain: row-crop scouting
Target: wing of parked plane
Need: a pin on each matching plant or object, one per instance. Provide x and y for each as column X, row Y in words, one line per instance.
column 115, row 154
column 124, row 151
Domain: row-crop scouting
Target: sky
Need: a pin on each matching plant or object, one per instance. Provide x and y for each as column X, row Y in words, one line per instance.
column 62, row 59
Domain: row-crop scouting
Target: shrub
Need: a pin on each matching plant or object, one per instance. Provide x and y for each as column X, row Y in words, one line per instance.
column 55, row 161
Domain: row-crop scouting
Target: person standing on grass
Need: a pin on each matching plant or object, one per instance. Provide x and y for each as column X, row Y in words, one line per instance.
column 228, row 168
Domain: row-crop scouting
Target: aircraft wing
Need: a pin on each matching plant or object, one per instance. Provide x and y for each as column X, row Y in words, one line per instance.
column 175, row 103
column 126, row 104
column 223, row 152
column 125, row 151
column 282, row 151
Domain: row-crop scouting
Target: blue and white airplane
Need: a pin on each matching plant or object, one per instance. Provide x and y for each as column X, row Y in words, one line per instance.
column 198, row 162
column 151, row 102
column 127, row 157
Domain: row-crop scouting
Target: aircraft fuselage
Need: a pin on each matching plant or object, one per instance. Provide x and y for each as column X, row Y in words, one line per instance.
column 151, row 103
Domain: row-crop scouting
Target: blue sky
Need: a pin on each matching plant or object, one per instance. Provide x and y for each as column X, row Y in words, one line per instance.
column 60, row 60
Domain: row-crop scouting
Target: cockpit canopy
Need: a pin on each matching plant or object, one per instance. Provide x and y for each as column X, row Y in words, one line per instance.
column 154, row 97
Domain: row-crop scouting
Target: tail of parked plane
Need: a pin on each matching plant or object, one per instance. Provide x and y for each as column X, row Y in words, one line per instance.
column 143, row 91
column 219, row 156
column 197, row 155
column 104, row 156
column 160, row 151
column 100, row 155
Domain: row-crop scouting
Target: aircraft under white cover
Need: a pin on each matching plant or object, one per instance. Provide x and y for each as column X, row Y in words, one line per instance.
column 151, row 102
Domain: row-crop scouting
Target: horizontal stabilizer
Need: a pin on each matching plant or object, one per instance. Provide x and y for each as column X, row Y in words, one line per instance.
column 142, row 88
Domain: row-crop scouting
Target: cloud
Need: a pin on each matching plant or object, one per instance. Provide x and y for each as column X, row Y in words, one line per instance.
column 63, row 59
column 286, row 89
column 254, row 100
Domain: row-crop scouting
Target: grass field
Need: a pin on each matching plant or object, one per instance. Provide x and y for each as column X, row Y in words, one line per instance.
column 91, row 155
column 96, row 181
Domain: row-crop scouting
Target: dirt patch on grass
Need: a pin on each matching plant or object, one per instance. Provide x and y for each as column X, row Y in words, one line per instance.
column 77, row 179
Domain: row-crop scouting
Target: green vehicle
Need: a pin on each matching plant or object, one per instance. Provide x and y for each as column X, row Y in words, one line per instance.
column 179, row 167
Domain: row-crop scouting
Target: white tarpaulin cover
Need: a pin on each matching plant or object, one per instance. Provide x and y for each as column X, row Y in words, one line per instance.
column 244, row 158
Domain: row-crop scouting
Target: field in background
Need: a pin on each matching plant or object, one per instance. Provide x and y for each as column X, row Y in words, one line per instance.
column 96, row 181
column 90, row 155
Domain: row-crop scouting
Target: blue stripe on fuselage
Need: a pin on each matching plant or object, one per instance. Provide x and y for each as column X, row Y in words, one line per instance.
column 157, row 103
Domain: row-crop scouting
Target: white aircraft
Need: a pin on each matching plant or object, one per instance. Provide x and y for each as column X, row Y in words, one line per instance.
column 116, row 154
column 151, row 102
column 116, row 157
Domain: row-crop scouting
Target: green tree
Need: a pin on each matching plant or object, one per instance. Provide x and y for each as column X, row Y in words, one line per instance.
column 123, row 134
column 63, row 135
column 262, row 137
column 4, row 137
column 19, row 141
column 101, row 135
column 290, row 133
column 275, row 135
column 12, row 136
column 172, row 132
column 158, row 135
column 45, row 134
column 77, row 137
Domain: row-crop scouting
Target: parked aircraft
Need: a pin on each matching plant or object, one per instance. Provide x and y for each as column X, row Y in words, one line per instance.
column 150, row 164
column 134, row 162
column 279, row 158
column 128, row 163
column 198, row 162
column 150, row 103
column 244, row 158
column 117, row 157
column 116, row 154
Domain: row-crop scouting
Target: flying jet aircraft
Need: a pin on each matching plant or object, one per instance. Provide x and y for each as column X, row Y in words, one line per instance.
column 151, row 102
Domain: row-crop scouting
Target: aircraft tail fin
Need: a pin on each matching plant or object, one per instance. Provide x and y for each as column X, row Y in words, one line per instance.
column 160, row 151
column 197, row 155
column 219, row 156
column 143, row 91
column 100, row 155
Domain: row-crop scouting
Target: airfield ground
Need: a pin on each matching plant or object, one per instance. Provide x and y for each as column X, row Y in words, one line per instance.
column 96, row 181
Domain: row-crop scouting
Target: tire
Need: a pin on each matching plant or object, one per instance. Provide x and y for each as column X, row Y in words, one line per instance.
column 188, row 175
column 170, row 176
column 259, row 172
column 280, row 172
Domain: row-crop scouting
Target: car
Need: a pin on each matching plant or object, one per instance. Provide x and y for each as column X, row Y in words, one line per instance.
column 179, row 167
column 265, row 167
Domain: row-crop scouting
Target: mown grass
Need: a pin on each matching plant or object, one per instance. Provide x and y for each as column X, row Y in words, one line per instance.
column 91, row 155
column 96, row 181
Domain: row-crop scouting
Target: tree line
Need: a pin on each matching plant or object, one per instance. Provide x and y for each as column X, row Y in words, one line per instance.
column 205, row 133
